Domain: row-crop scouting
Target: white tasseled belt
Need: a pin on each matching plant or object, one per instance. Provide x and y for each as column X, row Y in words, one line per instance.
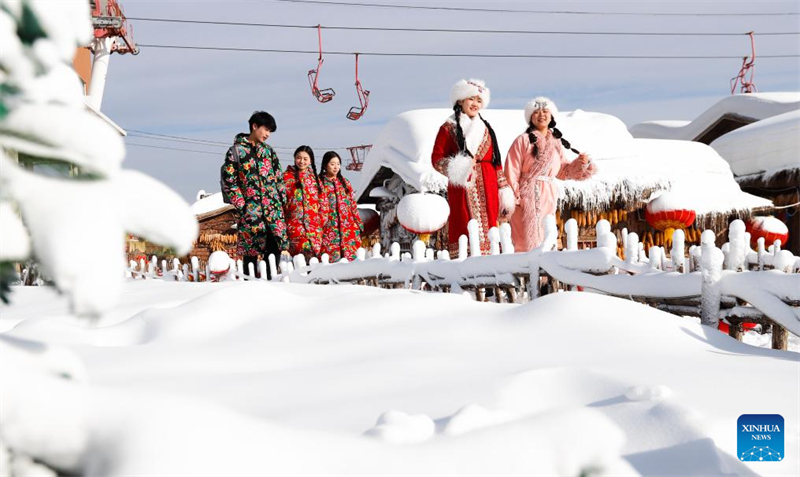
column 543, row 178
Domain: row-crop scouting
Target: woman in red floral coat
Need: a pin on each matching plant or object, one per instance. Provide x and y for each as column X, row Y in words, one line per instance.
column 466, row 152
column 306, row 208
column 341, row 235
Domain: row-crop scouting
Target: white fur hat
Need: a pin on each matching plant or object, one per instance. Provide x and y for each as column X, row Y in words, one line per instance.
column 468, row 88
column 537, row 103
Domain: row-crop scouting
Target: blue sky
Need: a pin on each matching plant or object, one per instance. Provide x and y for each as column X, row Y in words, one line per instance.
column 209, row 94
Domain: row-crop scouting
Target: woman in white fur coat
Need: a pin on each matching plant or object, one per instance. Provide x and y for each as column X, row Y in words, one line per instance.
column 466, row 152
column 534, row 160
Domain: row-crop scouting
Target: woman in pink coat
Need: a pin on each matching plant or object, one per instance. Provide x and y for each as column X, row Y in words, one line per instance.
column 535, row 160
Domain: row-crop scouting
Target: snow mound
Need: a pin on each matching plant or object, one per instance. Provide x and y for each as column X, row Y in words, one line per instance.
column 397, row 427
column 647, row 393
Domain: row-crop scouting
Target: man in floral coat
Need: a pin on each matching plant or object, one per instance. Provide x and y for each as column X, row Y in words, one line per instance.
column 252, row 181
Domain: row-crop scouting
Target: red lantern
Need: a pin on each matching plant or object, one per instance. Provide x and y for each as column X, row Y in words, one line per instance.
column 664, row 213
column 423, row 214
column 770, row 228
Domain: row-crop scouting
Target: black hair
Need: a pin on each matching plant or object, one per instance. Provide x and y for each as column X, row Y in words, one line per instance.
column 556, row 134
column 310, row 153
column 462, row 143
column 325, row 160
column 262, row 118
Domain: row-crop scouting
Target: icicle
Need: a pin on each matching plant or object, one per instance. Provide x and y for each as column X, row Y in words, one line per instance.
column 494, row 241
column 505, row 238
column 571, row 228
column 474, row 238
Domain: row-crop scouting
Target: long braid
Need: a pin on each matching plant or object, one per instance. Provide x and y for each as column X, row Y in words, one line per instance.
column 496, row 159
column 557, row 134
column 460, row 141
column 532, row 139
column 343, row 181
column 316, row 176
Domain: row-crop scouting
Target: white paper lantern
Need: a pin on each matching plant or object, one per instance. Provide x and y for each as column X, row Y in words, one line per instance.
column 423, row 213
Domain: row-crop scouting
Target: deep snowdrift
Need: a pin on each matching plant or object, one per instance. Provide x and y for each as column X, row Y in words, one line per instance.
column 259, row 379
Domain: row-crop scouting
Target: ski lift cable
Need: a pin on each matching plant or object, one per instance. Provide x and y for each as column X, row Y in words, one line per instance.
column 211, row 142
column 469, row 55
column 454, row 30
column 538, row 12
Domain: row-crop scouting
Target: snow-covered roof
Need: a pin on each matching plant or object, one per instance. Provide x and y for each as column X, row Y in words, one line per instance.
column 629, row 169
column 210, row 203
column 750, row 106
column 764, row 147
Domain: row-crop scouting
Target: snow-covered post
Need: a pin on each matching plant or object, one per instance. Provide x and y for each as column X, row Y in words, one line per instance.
column 494, row 241
column 642, row 255
column 738, row 249
column 376, row 250
column 196, row 269
column 273, row 267
column 784, row 261
column 474, row 238
column 185, row 271
column 678, row 260
column 533, row 282
column 361, row 254
column 418, row 250
column 163, row 266
column 655, row 257
column 605, row 239
column 505, row 238
column 632, row 248
column 711, row 262
column 776, row 247
column 251, row 270
column 624, row 234
column 761, row 253
column 550, row 233
column 463, row 247
column 262, row 269
column 430, row 254
column 443, row 255
column 571, row 230
column 395, row 251
column 299, row 262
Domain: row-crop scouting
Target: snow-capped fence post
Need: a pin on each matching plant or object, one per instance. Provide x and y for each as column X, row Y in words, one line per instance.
column 185, row 271
column 376, row 250
column 299, row 262
column 494, row 241
column 443, row 255
column 783, row 261
column 654, row 258
column 262, row 269
column 632, row 248
column 736, row 253
column 196, row 269
column 251, row 271
column 711, row 261
column 474, row 238
column 533, row 278
column 571, row 229
column 678, row 260
column 395, row 251
column 780, row 337
column 776, row 247
column 505, row 238
column 273, row 267
column 361, row 254
column 463, row 247
column 550, row 241
column 418, row 251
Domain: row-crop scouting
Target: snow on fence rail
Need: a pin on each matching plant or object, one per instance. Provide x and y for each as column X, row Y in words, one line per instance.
column 735, row 283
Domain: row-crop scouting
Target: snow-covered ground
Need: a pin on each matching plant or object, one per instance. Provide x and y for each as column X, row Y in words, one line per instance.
column 241, row 378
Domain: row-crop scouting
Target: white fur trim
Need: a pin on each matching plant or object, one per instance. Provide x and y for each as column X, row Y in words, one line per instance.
column 507, row 201
column 474, row 131
column 531, row 107
column 459, row 169
column 467, row 88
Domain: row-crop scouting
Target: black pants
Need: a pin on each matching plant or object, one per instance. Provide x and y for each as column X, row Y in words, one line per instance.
column 271, row 248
